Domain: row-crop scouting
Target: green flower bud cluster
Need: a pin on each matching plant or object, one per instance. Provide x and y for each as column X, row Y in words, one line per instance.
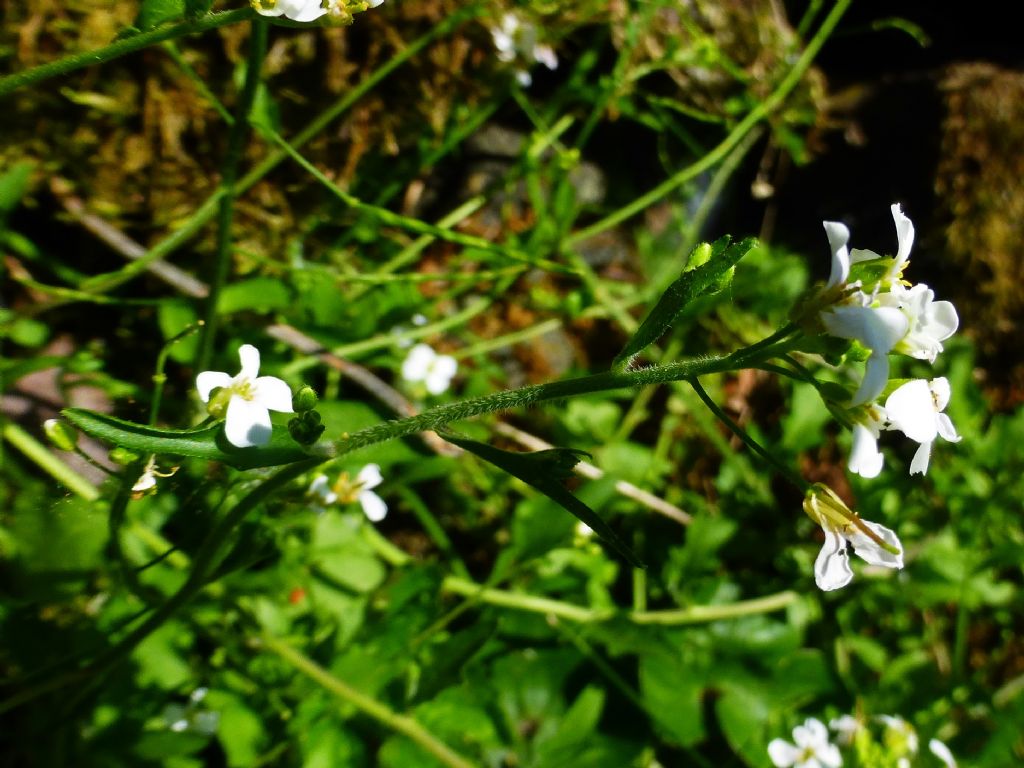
column 305, row 428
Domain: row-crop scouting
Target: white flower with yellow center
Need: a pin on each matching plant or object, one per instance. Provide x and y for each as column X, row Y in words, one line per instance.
column 296, row 10
column 811, row 749
column 348, row 491
column 434, row 371
column 515, row 38
column 873, row 543
column 245, row 400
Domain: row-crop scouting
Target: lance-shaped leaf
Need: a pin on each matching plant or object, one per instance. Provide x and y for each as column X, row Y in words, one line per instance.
column 205, row 442
column 547, row 471
column 712, row 274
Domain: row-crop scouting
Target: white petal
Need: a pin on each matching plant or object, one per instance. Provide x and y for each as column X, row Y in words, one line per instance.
column 911, row 410
column 919, row 464
column 782, row 753
column 940, row 392
column 877, row 328
column 440, row 374
column 524, row 78
column 904, row 237
column 273, row 393
column 321, row 487
column 838, row 236
column 812, row 733
column 942, row 320
column 868, row 550
column 546, row 55
column 247, row 424
column 832, row 568
column 865, row 458
column 250, row 357
column 942, row 752
column 373, row 506
column 417, row 363
column 829, row 756
column 876, row 376
column 946, row 428
column 275, row 11
column 207, row 381
column 858, row 255
column 369, row 476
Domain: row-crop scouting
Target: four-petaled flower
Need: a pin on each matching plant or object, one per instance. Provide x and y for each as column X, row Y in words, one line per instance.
column 873, row 543
column 245, row 400
column 347, row 491
column 309, row 10
column 916, row 409
column 424, row 365
column 811, row 749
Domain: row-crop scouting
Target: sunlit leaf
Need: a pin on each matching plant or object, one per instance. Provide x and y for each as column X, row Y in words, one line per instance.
column 710, row 276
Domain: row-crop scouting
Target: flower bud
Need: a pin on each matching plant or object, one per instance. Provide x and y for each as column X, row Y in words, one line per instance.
column 304, row 399
column 61, row 434
column 123, row 456
column 218, row 403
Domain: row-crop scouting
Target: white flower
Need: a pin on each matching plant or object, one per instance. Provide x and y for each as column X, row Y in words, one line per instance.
column 373, row 505
column 296, row 10
column 942, row 752
column 515, row 38
column 899, row 319
column 436, row 371
column 873, row 543
column 879, row 329
column 812, row 748
column 929, row 322
column 865, row 458
column 916, row 409
column 252, row 397
column 347, row 491
column 846, row 728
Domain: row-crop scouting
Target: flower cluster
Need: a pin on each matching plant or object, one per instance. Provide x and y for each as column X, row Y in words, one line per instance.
column 885, row 314
column 310, row 10
column 867, row 301
column 515, row 39
column 896, row 744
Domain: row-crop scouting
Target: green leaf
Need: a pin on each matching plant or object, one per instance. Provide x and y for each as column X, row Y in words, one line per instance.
column 546, row 471
column 711, row 276
column 203, row 442
column 153, row 13
column 262, row 294
column 13, row 185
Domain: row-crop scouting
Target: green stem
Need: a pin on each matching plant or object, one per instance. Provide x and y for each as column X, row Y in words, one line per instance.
column 750, row 442
column 712, row 158
column 39, row 455
column 119, row 48
column 695, row 614
column 440, row 416
column 229, row 176
column 366, row 704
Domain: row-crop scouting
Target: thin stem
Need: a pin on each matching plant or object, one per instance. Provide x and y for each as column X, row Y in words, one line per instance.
column 366, row 704
column 229, row 175
column 712, row 158
column 695, row 614
column 120, row 48
column 39, row 455
column 741, row 433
